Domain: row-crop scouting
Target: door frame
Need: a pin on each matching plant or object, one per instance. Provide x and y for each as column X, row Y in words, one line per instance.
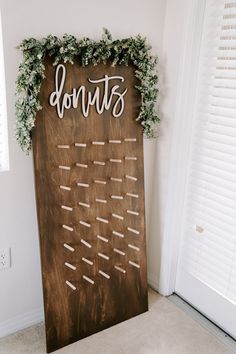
column 180, row 143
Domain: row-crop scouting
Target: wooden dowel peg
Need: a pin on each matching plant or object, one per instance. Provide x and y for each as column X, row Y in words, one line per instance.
column 131, row 158
column 119, row 251
column 120, row 269
column 85, row 185
column 66, row 208
column 117, row 216
column 132, row 195
column 100, row 163
column 63, row 146
column 114, row 141
column 105, row 221
column 83, row 165
column 104, row 239
column 103, row 256
column 64, row 167
column 134, row 264
column 101, row 200
column 115, row 160
column 70, row 285
column 66, row 188
column 117, row 234
column 133, row 230
column 98, row 142
column 132, row 212
column 84, row 205
column 131, row 177
column 86, row 243
column 104, row 274
column 88, row 279
column 116, row 179
column 117, row 197
column 68, row 228
column 71, row 266
column 80, row 145
column 85, row 223
column 87, row 261
column 134, row 247
column 99, row 181
column 69, row 247
column 130, row 139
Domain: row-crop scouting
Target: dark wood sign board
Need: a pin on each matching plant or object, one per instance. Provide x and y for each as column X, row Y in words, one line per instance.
column 108, row 256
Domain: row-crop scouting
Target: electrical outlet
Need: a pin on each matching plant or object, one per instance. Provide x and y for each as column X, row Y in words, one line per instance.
column 4, row 258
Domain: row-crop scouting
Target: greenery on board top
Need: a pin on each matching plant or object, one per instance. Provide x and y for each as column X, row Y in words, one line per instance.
column 118, row 52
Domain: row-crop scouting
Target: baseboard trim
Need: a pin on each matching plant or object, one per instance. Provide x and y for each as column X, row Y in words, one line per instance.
column 33, row 317
column 20, row 322
column 152, row 281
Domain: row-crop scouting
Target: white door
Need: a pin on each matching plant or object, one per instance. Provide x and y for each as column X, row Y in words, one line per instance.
column 206, row 274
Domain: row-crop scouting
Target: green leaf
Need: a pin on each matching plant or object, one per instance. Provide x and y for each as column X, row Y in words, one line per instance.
column 133, row 50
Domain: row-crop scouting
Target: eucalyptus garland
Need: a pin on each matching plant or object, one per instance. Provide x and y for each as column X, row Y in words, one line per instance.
column 119, row 52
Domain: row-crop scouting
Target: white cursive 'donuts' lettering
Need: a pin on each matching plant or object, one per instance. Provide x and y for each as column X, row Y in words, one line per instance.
column 87, row 99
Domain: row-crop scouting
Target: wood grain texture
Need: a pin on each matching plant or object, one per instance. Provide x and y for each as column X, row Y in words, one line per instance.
column 74, row 314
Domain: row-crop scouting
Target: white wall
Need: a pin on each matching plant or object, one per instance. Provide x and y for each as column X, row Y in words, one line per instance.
column 20, row 287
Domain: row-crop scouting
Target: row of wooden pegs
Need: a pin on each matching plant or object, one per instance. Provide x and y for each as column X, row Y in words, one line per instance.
column 86, row 224
column 104, row 201
column 114, row 215
column 99, row 163
column 103, row 239
column 101, row 181
column 98, row 143
column 86, row 205
column 105, row 275
column 91, row 263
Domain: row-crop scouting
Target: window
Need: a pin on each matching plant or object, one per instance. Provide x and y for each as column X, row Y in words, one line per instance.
column 4, row 159
column 211, row 195
column 206, row 274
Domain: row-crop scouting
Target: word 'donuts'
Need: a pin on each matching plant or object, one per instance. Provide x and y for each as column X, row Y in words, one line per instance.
column 102, row 97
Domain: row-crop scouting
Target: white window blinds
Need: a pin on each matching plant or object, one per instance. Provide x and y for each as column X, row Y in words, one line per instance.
column 4, row 161
column 209, row 227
